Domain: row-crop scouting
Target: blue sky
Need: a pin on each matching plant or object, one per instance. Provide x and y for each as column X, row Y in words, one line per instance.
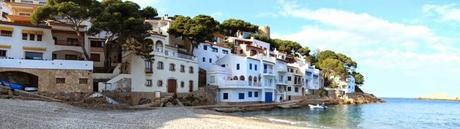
column 403, row 48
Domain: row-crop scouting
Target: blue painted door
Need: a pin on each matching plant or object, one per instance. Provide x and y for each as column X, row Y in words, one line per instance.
column 268, row 97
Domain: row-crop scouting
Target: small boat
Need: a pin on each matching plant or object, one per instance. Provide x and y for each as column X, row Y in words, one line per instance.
column 317, row 106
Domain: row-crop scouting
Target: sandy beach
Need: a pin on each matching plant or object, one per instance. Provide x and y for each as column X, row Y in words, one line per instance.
column 27, row 114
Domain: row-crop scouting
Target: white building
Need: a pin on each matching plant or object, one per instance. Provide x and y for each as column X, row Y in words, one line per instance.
column 173, row 69
column 242, row 79
column 245, row 76
column 208, row 53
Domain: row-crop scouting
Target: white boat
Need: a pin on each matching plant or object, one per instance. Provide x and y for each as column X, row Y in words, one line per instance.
column 317, row 106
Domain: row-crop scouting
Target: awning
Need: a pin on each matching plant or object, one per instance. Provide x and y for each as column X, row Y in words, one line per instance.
column 38, row 32
column 5, row 46
column 6, row 28
column 34, row 48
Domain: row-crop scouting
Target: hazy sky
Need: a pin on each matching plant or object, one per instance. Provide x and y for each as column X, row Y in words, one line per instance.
column 403, row 48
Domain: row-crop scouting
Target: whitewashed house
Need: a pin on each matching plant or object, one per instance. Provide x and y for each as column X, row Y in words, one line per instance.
column 174, row 69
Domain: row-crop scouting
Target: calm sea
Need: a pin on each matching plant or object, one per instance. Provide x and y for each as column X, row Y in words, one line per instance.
column 394, row 114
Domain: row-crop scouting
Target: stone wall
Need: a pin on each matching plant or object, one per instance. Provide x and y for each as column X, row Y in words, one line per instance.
column 75, row 81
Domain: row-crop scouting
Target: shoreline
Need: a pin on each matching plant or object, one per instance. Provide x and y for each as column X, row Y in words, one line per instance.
column 16, row 113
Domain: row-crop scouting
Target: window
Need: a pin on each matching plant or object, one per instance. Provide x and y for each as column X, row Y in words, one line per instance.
column 34, row 55
column 289, row 89
column 225, row 96
column 296, row 89
column 256, row 94
column 60, row 80
column 205, row 47
column 249, row 94
column 237, row 66
column 148, row 67
column 160, row 65
column 83, row 81
column 190, row 69
column 255, row 67
column 240, row 95
column 223, row 66
column 159, row 46
column 242, row 78
column 225, row 51
column 6, row 33
column 214, row 49
column 32, row 37
column 96, row 57
column 289, row 78
column 39, row 37
column 2, row 53
column 72, row 41
column 70, row 57
column 98, row 44
column 148, row 83
column 160, row 83
column 210, row 60
column 172, row 67
column 212, row 79
column 182, row 68
column 182, row 84
column 250, row 66
column 24, row 36
column 204, row 59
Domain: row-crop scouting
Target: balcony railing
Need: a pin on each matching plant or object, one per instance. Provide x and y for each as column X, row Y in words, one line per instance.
column 46, row 64
column 67, row 43
column 175, row 54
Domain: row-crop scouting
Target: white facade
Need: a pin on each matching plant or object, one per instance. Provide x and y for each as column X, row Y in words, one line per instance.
column 351, row 84
column 170, row 72
column 28, row 46
column 243, row 80
column 208, row 53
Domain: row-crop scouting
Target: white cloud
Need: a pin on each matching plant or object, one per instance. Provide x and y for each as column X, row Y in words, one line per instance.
column 373, row 41
column 445, row 12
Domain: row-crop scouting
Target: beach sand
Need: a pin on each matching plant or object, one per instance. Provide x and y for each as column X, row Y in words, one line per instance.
column 27, row 114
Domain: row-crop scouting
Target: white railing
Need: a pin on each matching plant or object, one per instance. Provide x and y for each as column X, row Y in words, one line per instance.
column 175, row 54
column 46, row 64
column 239, row 84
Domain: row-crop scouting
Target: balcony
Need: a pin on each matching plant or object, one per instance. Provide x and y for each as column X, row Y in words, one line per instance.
column 281, row 82
column 46, row 64
column 67, row 43
column 268, row 72
column 236, row 84
column 174, row 54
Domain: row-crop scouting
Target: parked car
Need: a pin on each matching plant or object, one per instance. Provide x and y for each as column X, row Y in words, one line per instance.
column 5, row 83
column 31, row 89
column 16, row 86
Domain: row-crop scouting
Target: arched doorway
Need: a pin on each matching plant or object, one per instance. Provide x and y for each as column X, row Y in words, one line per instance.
column 23, row 78
column 172, row 85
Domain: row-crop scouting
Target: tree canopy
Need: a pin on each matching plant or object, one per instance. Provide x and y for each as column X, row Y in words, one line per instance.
column 359, row 78
column 72, row 12
column 231, row 26
column 124, row 23
column 198, row 29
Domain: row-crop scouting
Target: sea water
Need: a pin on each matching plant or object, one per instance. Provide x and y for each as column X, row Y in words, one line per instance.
column 395, row 113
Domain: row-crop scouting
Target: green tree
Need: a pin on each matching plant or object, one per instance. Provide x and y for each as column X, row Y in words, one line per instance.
column 72, row 12
column 197, row 29
column 359, row 78
column 346, row 60
column 305, row 51
column 231, row 26
column 124, row 23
